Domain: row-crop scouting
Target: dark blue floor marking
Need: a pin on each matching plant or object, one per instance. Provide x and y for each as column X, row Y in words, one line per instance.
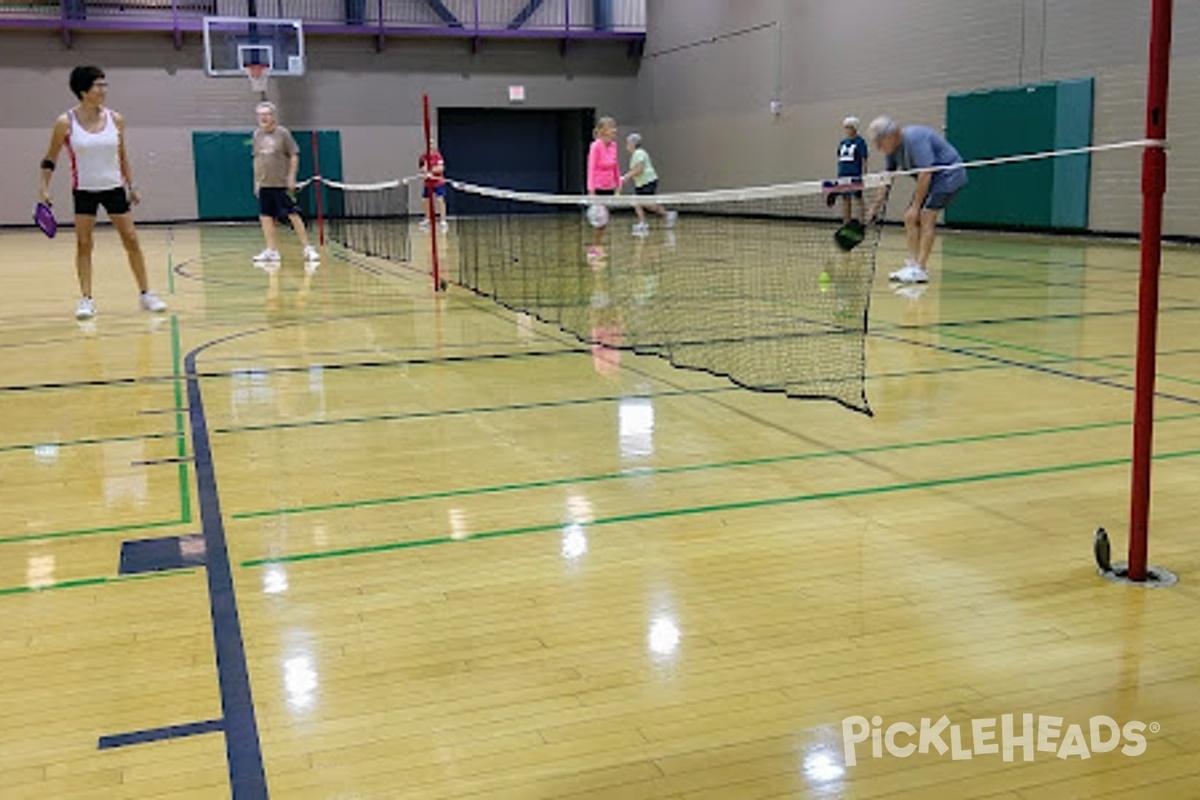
column 243, row 750
column 157, row 555
column 160, row 734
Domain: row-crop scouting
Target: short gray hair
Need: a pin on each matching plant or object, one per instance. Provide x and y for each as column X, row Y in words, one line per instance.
column 881, row 127
column 634, row 139
column 265, row 105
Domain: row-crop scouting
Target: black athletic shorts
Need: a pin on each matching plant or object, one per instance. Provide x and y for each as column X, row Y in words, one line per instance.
column 115, row 201
column 274, row 202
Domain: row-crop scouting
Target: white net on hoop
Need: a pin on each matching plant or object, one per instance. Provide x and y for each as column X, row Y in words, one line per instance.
column 259, row 75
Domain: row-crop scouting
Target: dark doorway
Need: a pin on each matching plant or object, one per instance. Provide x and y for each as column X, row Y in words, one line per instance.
column 536, row 150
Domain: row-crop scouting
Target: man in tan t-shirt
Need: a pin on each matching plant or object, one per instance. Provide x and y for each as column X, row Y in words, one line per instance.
column 276, row 159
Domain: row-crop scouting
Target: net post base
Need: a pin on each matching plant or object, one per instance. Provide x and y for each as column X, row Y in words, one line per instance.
column 1156, row 577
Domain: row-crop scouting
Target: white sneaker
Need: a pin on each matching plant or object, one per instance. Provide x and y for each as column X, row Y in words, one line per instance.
column 423, row 225
column 672, row 216
column 152, row 302
column 910, row 274
column 266, row 255
column 86, row 308
column 444, row 226
column 311, row 253
column 641, row 229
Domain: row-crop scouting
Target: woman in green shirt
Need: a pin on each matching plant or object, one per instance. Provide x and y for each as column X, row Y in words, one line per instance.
column 645, row 182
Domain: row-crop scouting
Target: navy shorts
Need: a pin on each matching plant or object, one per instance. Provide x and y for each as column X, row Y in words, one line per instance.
column 649, row 188
column 439, row 190
column 851, row 176
column 936, row 201
column 943, row 189
column 115, row 201
column 274, row 202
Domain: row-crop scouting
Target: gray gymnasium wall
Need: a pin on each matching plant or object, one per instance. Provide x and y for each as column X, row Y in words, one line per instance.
column 712, row 67
column 702, row 94
column 374, row 99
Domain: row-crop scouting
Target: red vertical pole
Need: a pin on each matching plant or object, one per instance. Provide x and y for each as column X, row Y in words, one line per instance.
column 430, row 183
column 1154, row 183
column 318, row 187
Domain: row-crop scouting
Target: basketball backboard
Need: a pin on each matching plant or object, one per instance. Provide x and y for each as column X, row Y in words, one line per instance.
column 231, row 44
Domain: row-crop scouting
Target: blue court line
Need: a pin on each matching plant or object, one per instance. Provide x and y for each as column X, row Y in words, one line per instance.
column 159, row 734
column 243, row 751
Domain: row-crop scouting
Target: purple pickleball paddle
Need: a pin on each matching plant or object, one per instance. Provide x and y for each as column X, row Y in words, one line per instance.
column 44, row 217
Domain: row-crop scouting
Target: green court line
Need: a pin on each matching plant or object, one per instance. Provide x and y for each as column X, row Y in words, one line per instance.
column 719, row 465
column 100, row 581
column 185, row 501
column 840, row 494
column 659, row 471
column 140, row 526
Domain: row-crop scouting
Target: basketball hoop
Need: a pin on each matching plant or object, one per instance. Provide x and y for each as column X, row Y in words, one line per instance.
column 259, row 75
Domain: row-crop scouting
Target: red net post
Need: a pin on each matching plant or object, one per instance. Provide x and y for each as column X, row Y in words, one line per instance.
column 1154, row 183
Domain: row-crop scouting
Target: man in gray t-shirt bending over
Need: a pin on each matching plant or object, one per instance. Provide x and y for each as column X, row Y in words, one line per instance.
column 915, row 147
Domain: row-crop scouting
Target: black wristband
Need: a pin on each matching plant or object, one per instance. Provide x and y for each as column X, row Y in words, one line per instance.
column 48, row 164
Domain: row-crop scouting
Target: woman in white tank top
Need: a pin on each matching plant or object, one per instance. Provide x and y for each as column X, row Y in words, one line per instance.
column 95, row 139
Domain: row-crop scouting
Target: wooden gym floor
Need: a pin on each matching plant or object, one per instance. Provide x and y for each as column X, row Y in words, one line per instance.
column 327, row 531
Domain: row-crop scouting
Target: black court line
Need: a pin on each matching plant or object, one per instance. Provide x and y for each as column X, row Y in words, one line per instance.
column 243, row 750
column 1034, row 367
column 156, row 462
column 33, row 387
column 1088, row 315
column 1025, row 259
column 332, row 367
column 160, row 734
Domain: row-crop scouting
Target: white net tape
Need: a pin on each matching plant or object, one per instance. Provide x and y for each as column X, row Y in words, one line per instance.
column 778, row 191
column 770, row 192
column 360, row 187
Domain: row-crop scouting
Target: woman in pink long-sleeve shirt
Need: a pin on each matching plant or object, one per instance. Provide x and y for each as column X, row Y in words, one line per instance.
column 603, row 172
